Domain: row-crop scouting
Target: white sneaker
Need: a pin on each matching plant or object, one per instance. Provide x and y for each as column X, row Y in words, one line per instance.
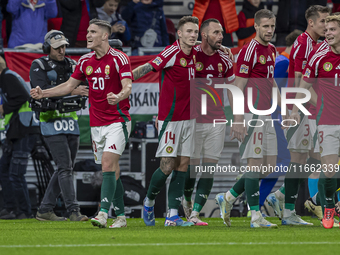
column 120, row 222
column 100, row 220
column 187, row 207
column 225, row 208
column 261, row 222
column 276, row 204
column 295, row 219
column 197, row 221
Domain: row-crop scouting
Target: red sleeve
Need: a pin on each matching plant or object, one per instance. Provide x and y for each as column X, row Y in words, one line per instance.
column 229, row 74
column 163, row 58
column 300, row 58
column 124, row 67
column 244, row 63
column 78, row 74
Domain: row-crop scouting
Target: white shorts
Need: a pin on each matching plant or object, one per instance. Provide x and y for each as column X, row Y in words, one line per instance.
column 329, row 139
column 111, row 138
column 314, row 133
column 209, row 140
column 299, row 138
column 176, row 138
column 260, row 141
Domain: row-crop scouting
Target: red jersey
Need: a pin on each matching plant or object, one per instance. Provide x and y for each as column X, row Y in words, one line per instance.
column 301, row 49
column 325, row 66
column 178, row 69
column 104, row 75
column 319, row 47
column 212, row 67
column 256, row 63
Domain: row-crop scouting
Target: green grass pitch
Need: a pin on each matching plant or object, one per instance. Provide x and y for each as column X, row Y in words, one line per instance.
column 33, row 237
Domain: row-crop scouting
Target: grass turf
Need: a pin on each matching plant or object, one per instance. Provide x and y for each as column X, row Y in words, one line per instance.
column 62, row 238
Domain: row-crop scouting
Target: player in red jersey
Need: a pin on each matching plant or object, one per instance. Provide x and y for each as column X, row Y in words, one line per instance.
column 175, row 126
column 108, row 72
column 255, row 69
column 300, row 138
column 325, row 66
column 212, row 63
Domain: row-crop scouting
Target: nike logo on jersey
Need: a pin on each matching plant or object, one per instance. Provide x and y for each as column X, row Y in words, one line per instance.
column 98, row 70
column 210, row 68
column 269, row 58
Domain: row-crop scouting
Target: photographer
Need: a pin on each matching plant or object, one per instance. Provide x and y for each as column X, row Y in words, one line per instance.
column 22, row 132
column 60, row 130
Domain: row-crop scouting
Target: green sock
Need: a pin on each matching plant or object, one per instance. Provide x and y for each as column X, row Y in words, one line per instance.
column 252, row 190
column 238, row 187
column 157, row 182
column 292, row 185
column 282, row 189
column 320, row 197
column 197, row 207
column 118, row 201
column 176, row 189
column 107, row 190
column 189, row 183
column 317, row 200
column 330, row 188
column 204, row 186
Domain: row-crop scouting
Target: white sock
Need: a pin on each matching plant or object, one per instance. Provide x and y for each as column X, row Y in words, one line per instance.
column 255, row 215
column 279, row 195
column 287, row 213
column 148, row 202
column 194, row 214
column 229, row 197
column 172, row 212
column 314, row 198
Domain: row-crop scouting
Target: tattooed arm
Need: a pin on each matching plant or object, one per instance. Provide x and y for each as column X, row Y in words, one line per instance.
column 141, row 71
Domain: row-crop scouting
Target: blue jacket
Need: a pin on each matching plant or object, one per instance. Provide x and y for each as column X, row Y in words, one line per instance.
column 139, row 18
column 30, row 26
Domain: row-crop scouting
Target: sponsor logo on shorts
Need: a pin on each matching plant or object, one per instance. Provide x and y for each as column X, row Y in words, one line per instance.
column 183, row 62
column 107, row 69
column 304, row 142
column 113, row 147
column 244, row 69
column 169, row 149
column 157, row 61
column 257, row 150
column 307, row 73
column 126, row 74
column 89, row 70
column 199, row 66
column 262, row 59
column 327, row 66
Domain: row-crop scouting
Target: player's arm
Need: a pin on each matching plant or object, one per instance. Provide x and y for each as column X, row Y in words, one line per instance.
column 305, row 85
column 142, row 70
column 60, row 90
column 238, row 131
column 114, row 99
column 298, row 76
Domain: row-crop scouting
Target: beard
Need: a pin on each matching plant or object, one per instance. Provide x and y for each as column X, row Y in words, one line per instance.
column 212, row 44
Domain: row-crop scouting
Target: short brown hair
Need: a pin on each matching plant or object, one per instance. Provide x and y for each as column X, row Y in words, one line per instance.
column 2, row 64
column 290, row 39
column 102, row 23
column 187, row 19
column 313, row 11
column 261, row 14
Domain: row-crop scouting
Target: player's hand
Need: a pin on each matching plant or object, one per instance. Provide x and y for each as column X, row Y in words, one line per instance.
column 228, row 52
column 36, row 93
column 81, row 90
column 238, row 131
column 112, row 98
column 156, row 123
column 121, row 28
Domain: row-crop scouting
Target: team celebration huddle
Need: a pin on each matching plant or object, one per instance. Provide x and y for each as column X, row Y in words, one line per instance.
column 194, row 74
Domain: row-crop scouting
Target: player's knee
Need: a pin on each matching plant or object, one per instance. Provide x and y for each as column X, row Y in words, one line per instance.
column 167, row 165
column 19, row 163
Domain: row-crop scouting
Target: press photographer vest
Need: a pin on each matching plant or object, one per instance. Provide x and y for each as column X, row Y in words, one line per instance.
column 53, row 122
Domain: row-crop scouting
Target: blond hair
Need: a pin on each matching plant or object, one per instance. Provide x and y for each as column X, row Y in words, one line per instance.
column 333, row 18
